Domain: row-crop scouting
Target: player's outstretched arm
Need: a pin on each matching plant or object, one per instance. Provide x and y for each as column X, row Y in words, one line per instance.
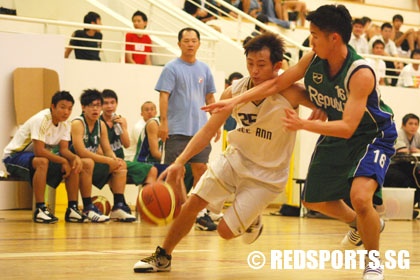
column 265, row 89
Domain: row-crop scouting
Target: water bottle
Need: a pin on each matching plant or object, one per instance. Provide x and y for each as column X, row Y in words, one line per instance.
column 117, row 127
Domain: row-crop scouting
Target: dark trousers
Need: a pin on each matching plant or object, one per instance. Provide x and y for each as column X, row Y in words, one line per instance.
column 403, row 175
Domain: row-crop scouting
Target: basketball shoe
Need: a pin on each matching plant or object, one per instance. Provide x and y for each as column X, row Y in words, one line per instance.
column 44, row 216
column 205, row 223
column 122, row 213
column 94, row 215
column 74, row 215
column 371, row 273
column 352, row 239
column 159, row 261
column 254, row 231
column 215, row 217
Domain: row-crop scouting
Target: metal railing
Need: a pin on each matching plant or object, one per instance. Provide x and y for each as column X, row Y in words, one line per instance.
column 164, row 39
column 44, row 26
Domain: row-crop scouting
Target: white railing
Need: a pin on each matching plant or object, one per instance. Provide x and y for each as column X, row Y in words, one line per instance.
column 108, row 46
column 165, row 48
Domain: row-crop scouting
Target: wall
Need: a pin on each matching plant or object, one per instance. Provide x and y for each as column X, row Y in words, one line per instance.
column 22, row 51
column 134, row 84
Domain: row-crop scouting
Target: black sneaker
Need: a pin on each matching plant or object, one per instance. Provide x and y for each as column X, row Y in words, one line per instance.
column 159, row 261
column 44, row 216
column 205, row 223
column 415, row 214
column 74, row 215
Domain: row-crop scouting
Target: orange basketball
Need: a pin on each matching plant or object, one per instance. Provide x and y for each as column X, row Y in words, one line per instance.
column 158, row 204
column 102, row 204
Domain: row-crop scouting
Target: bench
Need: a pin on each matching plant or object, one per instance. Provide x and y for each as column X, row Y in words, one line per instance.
column 49, row 192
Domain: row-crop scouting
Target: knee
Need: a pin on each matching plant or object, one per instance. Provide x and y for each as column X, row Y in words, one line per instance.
column 360, row 203
column 224, row 231
column 88, row 164
column 40, row 163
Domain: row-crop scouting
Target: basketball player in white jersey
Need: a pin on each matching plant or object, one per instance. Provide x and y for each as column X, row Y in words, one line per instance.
column 255, row 165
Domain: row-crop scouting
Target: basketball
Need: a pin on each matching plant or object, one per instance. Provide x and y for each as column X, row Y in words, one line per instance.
column 158, row 204
column 102, row 204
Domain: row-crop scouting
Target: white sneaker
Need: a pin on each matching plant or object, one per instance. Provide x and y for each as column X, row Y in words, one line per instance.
column 44, row 216
column 215, row 217
column 122, row 213
column 352, row 239
column 94, row 215
column 253, row 232
column 74, row 215
column 373, row 273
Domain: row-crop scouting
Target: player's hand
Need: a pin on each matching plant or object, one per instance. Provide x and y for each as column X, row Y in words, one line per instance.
column 318, row 114
column 76, row 164
column 66, row 169
column 174, row 173
column 163, row 131
column 414, row 150
column 113, row 163
column 117, row 119
column 222, row 105
column 292, row 120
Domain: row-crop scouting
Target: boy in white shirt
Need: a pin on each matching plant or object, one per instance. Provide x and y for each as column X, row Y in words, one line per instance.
column 410, row 74
column 39, row 152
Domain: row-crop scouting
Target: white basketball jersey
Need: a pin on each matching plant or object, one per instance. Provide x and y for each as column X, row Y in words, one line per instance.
column 260, row 145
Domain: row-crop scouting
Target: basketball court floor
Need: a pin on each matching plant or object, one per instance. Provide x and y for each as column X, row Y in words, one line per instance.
column 108, row 251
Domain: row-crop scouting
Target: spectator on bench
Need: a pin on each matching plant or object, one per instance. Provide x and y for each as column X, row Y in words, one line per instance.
column 138, row 172
column 90, row 140
column 39, row 153
column 147, row 111
column 402, row 172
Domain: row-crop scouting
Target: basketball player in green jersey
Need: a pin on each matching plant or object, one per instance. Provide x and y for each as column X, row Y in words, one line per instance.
column 90, row 140
column 138, row 172
column 356, row 142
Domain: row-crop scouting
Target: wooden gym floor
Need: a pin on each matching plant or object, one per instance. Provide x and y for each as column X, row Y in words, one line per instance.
column 108, row 251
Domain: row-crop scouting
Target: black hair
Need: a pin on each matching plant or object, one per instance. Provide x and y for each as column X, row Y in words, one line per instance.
column 267, row 40
column 180, row 33
column 90, row 95
column 408, row 117
column 61, row 95
column 234, row 76
column 365, row 20
column 141, row 14
column 357, row 21
column 332, row 18
column 386, row 25
column 91, row 17
column 109, row 93
column 263, row 18
column 379, row 41
column 415, row 51
column 398, row 17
